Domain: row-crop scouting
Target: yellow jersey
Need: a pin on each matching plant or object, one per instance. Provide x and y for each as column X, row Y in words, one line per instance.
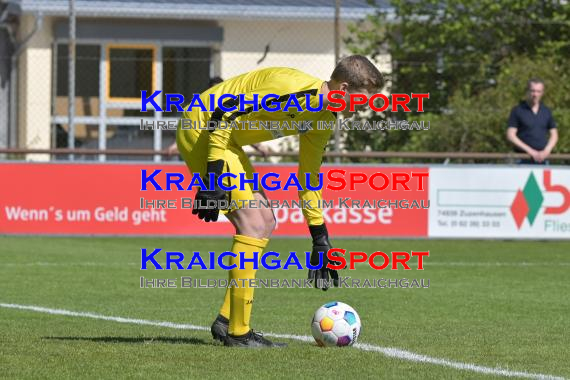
column 282, row 82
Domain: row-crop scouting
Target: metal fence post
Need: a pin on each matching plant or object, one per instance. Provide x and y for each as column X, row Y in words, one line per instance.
column 336, row 59
column 71, row 94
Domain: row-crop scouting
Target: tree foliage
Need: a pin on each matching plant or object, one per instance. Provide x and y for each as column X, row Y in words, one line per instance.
column 474, row 58
column 478, row 123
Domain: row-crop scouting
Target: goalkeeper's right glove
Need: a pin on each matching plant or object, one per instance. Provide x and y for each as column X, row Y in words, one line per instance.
column 201, row 208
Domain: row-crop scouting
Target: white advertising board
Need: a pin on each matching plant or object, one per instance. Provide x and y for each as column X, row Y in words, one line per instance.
column 499, row 202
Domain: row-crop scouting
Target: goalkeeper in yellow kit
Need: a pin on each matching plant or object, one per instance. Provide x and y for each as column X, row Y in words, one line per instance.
column 220, row 151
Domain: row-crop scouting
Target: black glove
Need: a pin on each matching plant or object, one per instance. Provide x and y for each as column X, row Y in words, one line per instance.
column 321, row 246
column 201, row 208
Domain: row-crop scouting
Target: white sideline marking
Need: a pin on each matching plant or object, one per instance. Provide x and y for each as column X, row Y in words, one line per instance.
column 69, row 313
column 78, row 264
column 387, row 351
column 426, row 263
column 523, row 264
column 493, row 264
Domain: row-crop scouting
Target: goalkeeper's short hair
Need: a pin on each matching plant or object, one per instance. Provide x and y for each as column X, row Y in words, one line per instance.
column 358, row 72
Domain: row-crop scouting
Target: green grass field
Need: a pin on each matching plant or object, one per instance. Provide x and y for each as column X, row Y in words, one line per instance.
column 501, row 305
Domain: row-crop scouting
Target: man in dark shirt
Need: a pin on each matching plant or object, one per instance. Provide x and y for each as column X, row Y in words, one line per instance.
column 531, row 127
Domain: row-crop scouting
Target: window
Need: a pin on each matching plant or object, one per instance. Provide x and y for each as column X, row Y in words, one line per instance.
column 131, row 69
column 86, row 68
column 185, row 71
column 86, row 80
column 110, row 118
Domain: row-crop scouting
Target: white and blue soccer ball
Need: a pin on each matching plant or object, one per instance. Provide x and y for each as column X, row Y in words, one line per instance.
column 336, row 324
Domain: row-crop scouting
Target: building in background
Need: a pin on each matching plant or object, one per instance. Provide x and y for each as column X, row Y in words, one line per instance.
column 9, row 19
column 123, row 47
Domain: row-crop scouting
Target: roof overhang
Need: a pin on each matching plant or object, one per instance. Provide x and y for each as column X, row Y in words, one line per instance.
column 133, row 9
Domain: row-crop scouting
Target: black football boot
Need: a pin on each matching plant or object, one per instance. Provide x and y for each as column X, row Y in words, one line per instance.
column 251, row 340
column 219, row 328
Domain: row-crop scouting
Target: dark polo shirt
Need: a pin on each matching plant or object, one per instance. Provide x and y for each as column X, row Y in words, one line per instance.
column 532, row 128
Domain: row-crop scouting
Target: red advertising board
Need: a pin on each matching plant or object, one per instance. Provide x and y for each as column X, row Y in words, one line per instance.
column 104, row 199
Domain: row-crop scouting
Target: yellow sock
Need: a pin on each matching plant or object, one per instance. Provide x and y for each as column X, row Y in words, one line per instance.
column 239, row 300
column 225, row 309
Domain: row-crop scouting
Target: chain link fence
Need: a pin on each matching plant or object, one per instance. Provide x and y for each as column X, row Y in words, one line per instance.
column 121, row 51
column 117, row 58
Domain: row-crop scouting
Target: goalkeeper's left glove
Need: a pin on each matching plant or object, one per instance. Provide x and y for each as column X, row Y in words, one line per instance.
column 321, row 245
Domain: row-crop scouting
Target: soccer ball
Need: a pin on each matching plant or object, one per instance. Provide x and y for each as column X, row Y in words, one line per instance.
column 335, row 324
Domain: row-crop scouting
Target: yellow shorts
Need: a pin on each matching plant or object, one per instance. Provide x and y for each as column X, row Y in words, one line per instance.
column 193, row 147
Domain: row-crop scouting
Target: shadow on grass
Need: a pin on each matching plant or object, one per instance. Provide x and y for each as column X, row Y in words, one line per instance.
column 137, row 340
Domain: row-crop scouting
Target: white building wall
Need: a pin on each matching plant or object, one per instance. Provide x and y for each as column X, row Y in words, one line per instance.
column 308, row 46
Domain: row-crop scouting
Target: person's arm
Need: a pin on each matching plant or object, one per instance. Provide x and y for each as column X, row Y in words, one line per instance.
column 218, row 141
column 552, row 139
column 513, row 138
column 172, row 149
column 311, row 149
column 261, row 149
